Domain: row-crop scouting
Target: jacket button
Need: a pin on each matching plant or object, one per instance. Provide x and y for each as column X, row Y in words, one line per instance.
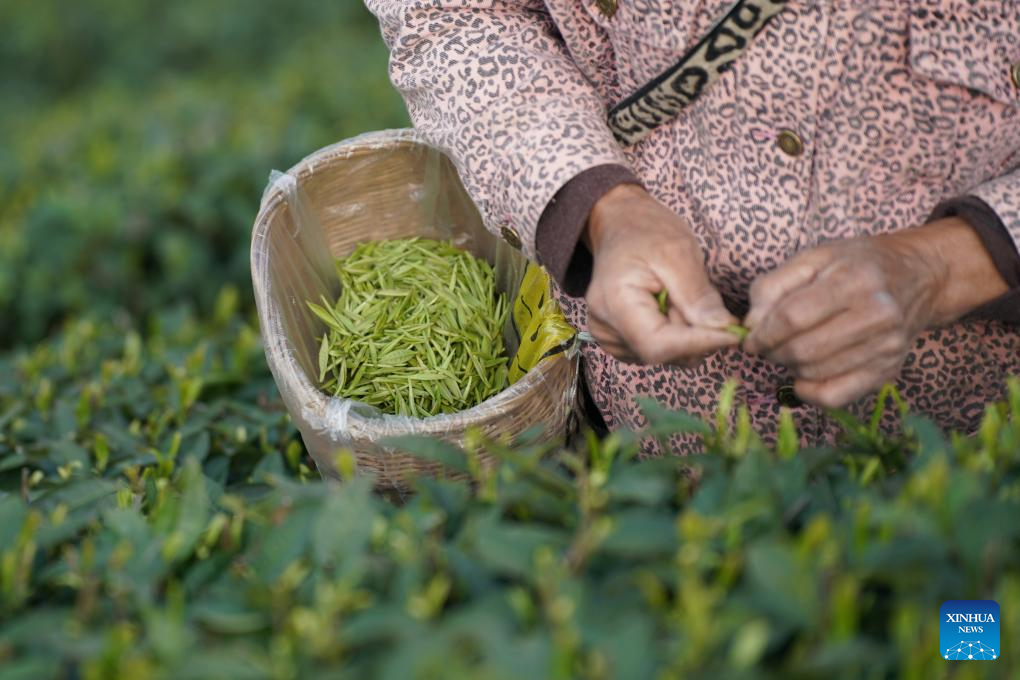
column 1014, row 73
column 607, row 7
column 787, row 397
column 511, row 236
column 790, row 143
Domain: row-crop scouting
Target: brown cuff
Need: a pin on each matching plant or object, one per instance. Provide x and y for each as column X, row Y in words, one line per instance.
column 997, row 240
column 558, row 237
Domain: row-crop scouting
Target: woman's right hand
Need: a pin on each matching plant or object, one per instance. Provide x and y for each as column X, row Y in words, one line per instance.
column 641, row 247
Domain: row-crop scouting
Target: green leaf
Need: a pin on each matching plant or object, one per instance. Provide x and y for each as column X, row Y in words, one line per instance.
column 430, row 449
column 781, row 586
column 13, row 512
column 640, row 533
column 279, row 545
column 509, row 547
column 343, row 527
column 78, row 494
column 647, row 482
column 664, row 422
column 323, row 357
column 749, row 644
column 227, row 617
column 193, row 511
column 788, row 440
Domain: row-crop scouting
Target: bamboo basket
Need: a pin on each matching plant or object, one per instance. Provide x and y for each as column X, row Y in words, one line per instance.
column 378, row 186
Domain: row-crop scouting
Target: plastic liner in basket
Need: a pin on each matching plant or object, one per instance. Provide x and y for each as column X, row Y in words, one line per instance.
column 377, row 186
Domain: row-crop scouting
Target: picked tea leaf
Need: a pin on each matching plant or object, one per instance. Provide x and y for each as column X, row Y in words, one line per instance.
column 740, row 331
column 662, row 297
column 417, row 329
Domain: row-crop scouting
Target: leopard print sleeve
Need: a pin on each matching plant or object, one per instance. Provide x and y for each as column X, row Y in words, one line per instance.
column 491, row 83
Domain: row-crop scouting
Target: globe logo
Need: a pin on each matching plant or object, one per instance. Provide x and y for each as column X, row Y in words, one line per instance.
column 970, row 650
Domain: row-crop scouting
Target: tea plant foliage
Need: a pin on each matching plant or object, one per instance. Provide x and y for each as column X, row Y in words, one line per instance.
column 138, row 137
column 158, row 519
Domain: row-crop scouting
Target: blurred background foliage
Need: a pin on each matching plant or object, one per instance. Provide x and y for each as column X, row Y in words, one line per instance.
column 138, row 136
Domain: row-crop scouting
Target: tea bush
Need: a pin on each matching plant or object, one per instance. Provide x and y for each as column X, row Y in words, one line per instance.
column 138, row 136
column 158, row 519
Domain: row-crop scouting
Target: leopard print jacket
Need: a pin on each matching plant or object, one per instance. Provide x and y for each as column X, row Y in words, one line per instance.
column 898, row 104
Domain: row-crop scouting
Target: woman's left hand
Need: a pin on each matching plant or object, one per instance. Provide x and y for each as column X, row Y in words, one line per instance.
column 844, row 315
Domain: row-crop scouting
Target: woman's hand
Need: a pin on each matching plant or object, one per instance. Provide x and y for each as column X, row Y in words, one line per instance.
column 641, row 247
column 844, row 315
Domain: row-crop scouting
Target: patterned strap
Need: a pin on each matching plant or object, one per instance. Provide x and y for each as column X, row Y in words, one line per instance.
column 662, row 98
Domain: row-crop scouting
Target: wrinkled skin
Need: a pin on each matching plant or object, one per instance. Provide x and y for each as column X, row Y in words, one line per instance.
column 842, row 316
column 641, row 247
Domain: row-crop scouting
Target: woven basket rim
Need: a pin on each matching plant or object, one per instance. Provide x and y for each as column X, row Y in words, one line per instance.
column 315, row 403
